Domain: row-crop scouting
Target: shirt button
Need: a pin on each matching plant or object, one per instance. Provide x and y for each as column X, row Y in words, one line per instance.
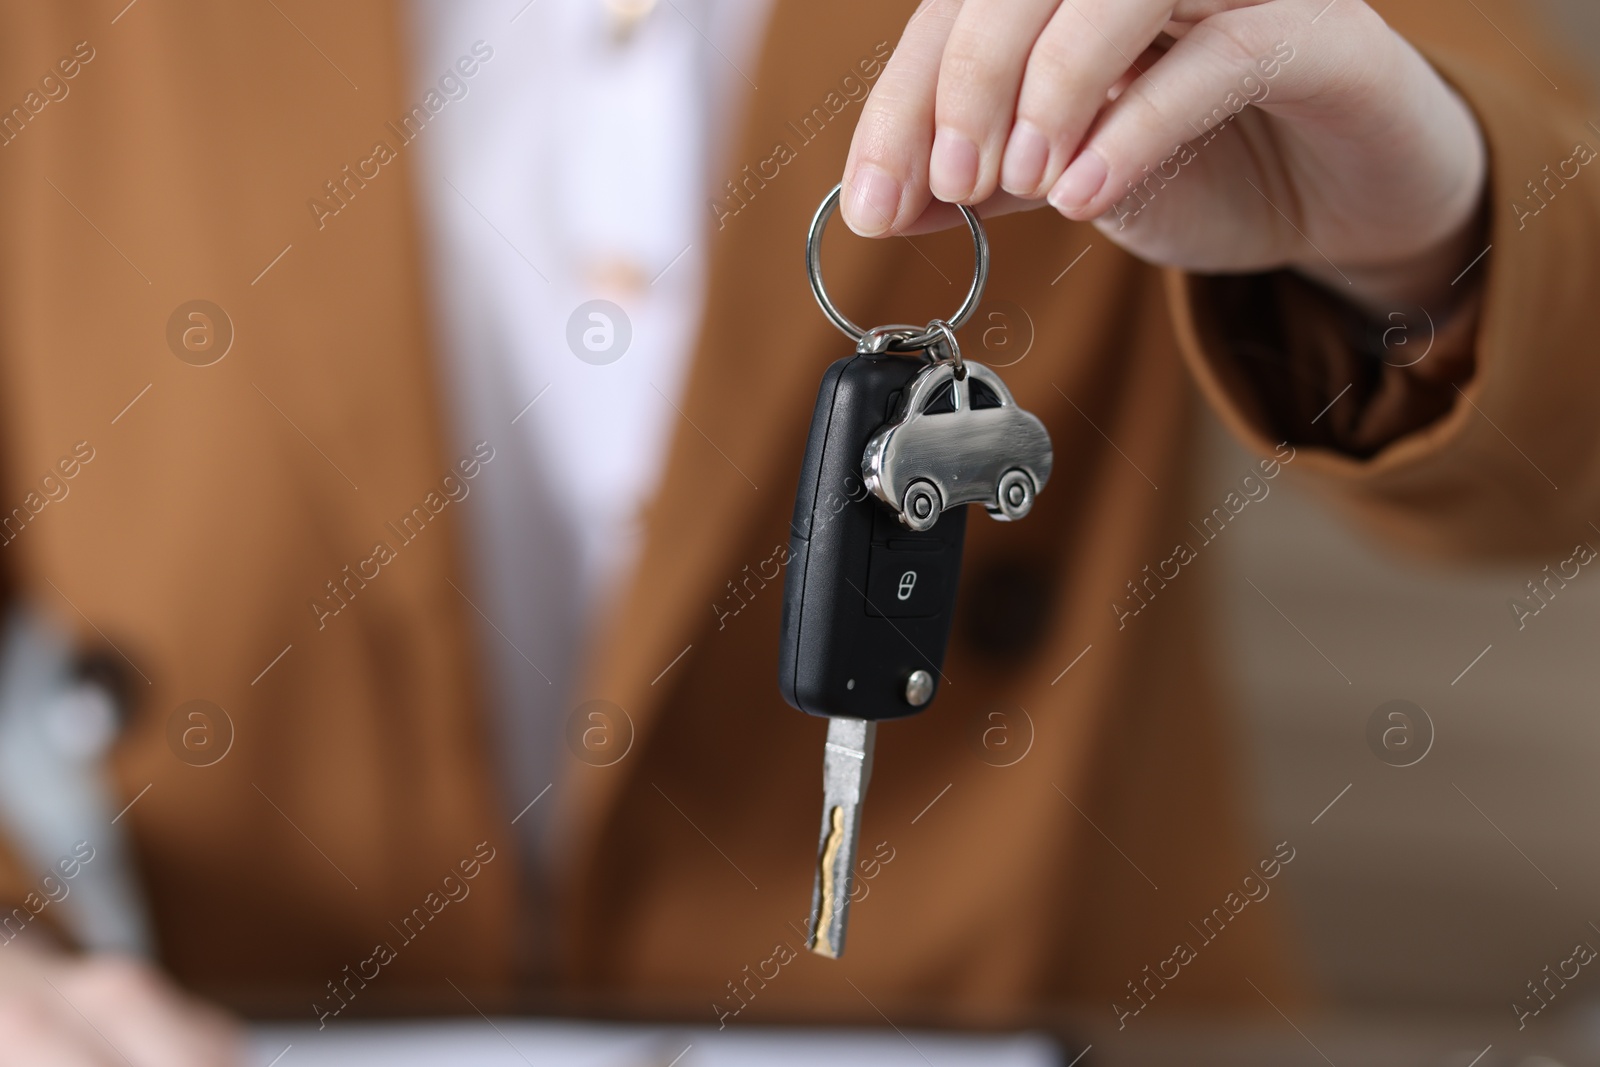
column 625, row 17
column 617, row 277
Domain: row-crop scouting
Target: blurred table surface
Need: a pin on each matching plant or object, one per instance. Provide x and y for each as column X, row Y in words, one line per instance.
column 485, row 1042
column 504, row 1042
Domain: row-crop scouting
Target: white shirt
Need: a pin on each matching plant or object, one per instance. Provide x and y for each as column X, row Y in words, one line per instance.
column 576, row 166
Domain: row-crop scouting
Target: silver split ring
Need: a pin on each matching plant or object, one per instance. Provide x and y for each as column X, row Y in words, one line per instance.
column 943, row 342
column 980, row 277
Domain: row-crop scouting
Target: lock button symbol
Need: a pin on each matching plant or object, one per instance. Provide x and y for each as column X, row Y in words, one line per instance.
column 908, row 582
column 905, row 582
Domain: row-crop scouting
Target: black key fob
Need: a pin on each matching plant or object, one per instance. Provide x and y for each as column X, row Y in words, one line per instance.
column 867, row 602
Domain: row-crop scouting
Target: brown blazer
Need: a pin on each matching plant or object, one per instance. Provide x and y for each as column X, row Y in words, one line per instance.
column 179, row 166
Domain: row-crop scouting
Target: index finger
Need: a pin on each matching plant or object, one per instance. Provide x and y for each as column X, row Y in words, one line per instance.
column 886, row 174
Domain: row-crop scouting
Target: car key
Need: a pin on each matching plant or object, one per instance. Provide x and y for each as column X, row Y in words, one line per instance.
column 903, row 434
column 867, row 600
column 867, row 609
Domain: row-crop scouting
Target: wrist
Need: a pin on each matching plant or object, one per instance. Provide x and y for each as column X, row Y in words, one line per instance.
column 1433, row 279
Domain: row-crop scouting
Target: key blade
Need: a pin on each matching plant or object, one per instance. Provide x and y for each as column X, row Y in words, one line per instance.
column 846, row 769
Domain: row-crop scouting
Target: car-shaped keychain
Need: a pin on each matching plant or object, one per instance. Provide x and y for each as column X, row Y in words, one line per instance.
column 958, row 437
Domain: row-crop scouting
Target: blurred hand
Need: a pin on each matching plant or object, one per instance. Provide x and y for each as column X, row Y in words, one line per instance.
column 100, row 1011
column 1349, row 160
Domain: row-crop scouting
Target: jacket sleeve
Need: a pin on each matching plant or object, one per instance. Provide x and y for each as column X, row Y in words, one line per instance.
column 1492, row 444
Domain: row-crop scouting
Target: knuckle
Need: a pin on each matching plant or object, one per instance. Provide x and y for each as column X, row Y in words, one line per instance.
column 971, row 75
column 1056, row 98
column 1365, row 73
column 1233, row 41
column 1055, row 63
column 964, row 60
column 878, row 140
column 1143, row 110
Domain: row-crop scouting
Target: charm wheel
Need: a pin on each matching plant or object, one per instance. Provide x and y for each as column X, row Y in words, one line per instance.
column 920, row 508
column 1014, row 498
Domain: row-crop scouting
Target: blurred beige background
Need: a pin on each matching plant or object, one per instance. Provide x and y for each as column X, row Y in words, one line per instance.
column 1408, row 896
column 1580, row 18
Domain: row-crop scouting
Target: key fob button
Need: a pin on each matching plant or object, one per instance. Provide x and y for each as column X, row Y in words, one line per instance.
column 905, row 583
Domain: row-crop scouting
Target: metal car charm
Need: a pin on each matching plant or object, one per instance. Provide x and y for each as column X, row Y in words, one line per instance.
column 958, row 438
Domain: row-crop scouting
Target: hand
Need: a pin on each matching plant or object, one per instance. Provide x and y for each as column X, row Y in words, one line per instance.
column 1210, row 135
column 102, row 1011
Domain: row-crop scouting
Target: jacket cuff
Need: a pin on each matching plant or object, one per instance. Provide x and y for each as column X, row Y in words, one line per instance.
column 1287, row 360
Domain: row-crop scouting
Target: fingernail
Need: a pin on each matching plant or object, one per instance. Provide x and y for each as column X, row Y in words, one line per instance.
column 1027, row 152
column 873, row 203
column 953, row 170
column 1080, row 183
